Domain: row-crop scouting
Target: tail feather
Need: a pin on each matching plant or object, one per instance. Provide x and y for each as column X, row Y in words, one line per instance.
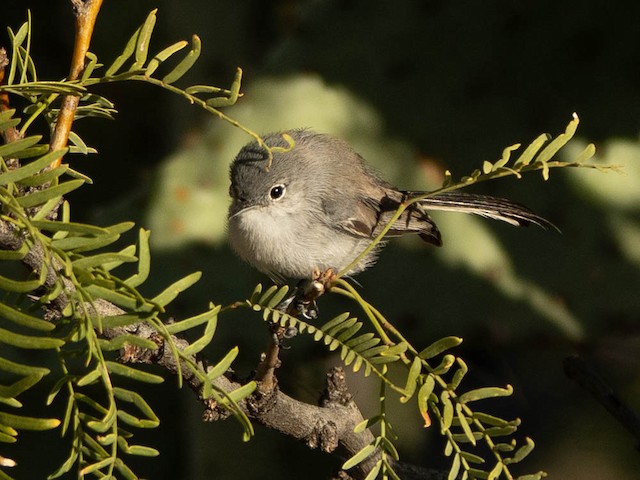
column 485, row 206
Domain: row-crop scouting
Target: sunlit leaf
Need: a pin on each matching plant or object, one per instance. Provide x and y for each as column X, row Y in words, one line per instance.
column 116, row 368
column 90, row 377
column 424, row 392
column 458, row 375
column 191, row 322
column 447, row 411
column 71, row 227
column 162, row 56
column 360, row 456
column 142, row 42
column 439, row 346
column 455, row 468
column 532, row 149
column 495, row 472
column 206, row 338
column 412, row 377
column 557, row 143
column 150, row 420
column 41, row 196
column 373, row 473
column 19, row 317
column 334, row 321
column 349, row 331
column 472, row 458
column 20, row 422
column 30, row 168
column 464, row 423
column 444, row 366
column 139, row 450
column 485, row 392
column 487, row 419
column 44, row 177
column 186, row 63
column 122, row 340
column 234, row 93
column 223, row 365
column 9, row 150
column 101, row 259
column 522, row 452
column 28, row 341
column 125, row 55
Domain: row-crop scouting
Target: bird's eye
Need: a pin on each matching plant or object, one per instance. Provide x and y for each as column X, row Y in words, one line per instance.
column 277, row 192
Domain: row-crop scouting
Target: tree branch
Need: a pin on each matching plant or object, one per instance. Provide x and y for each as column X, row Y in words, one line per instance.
column 327, row 426
column 86, row 12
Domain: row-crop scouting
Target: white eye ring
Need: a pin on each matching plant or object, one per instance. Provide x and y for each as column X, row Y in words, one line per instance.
column 277, row 192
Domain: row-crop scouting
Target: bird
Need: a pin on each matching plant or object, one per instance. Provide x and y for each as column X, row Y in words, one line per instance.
column 317, row 205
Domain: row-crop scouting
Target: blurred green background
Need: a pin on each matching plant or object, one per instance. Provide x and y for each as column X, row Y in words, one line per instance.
column 416, row 87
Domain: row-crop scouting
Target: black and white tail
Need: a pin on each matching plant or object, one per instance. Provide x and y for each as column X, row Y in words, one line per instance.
column 485, row 206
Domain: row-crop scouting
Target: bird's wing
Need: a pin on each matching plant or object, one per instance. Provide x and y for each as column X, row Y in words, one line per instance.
column 368, row 216
column 360, row 219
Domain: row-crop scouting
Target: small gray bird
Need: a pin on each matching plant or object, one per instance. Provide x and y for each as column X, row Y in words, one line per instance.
column 318, row 206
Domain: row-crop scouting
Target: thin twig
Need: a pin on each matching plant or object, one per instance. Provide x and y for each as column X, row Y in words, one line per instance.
column 265, row 373
column 576, row 368
column 86, row 12
column 304, row 295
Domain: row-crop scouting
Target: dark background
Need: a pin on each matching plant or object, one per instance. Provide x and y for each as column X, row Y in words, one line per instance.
column 456, row 81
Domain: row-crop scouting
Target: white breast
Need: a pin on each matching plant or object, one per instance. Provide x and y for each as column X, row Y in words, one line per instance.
column 285, row 244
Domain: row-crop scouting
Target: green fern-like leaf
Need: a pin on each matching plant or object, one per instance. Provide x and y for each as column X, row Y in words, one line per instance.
column 436, row 375
column 358, row 351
